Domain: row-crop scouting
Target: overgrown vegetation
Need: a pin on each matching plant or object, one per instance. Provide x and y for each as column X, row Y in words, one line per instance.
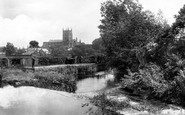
column 50, row 80
column 148, row 54
column 107, row 106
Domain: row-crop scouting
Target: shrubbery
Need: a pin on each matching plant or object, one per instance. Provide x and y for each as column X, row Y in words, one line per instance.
column 107, row 106
column 56, row 81
column 50, row 80
column 147, row 53
column 150, row 83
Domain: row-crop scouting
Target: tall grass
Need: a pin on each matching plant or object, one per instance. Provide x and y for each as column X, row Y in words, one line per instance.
column 50, row 80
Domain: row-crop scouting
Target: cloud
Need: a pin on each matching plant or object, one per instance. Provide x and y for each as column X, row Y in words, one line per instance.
column 41, row 20
column 20, row 30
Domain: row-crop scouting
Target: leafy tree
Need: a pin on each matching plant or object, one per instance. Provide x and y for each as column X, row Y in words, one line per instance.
column 179, row 24
column 177, row 30
column 128, row 33
column 34, row 44
column 174, row 46
column 59, row 51
column 134, row 37
column 83, row 50
column 9, row 49
column 20, row 51
column 98, row 46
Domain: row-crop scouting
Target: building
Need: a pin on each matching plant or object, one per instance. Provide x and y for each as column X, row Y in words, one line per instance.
column 18, row 60
column 28, row 59
column 68, row 38
column 68, row 42
column 52, row 43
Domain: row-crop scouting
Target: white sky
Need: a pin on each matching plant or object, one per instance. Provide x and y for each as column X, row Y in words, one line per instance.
column 24, row 20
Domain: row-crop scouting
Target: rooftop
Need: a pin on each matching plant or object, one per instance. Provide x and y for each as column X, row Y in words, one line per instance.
column 55, row 40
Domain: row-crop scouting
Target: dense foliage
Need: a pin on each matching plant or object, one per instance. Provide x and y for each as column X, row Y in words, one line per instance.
column 98, row 46
column 147, row 53
column 57, row 51
column 9, row 49
column 82, row 50
column 34, row 44
column 128, row 33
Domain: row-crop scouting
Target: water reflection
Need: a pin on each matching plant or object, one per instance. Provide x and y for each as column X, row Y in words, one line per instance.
column 36, row 101
column 93, row 84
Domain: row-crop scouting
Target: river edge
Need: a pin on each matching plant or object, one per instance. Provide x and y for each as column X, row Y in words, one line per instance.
column 125, row 104
column 114, row 94
column 49, row 80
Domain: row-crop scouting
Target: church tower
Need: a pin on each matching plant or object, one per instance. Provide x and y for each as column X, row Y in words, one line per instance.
column 68, row 37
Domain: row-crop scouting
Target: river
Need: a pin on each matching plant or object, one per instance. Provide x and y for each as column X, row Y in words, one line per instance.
column 37, row 101
column 94, row 84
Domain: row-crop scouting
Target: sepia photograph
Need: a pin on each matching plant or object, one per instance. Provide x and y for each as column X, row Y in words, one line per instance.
column 92, row 57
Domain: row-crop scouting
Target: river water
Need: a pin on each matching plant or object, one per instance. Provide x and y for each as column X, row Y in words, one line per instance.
column 37, row 101
column 94, row 84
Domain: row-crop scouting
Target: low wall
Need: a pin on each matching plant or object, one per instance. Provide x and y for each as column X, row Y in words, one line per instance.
column 70, row 69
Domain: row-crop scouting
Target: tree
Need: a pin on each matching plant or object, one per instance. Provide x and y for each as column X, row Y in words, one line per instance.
column 20, row 51
column 34, row 44
column 179, row 24
column 178, row 31
column 128, row 33
column 98, row 46
column 9, row 49
column 59, row 51
column 83, row 50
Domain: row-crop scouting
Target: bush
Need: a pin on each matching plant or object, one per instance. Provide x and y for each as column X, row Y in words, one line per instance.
column 56, row 81
column 150, row 83
column 107, row 106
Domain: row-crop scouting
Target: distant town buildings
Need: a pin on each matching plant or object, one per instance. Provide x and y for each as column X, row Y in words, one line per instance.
column 31, row 56
column 67, row 41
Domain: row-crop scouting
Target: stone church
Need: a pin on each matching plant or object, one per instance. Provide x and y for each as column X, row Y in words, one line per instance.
column 67, row 41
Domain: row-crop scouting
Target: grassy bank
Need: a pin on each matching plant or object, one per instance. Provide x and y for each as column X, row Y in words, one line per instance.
column 50, row 80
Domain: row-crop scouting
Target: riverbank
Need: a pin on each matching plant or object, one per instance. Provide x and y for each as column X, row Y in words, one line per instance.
column 49, row 80
column 110, row 98
column 116, row 101
column 55, row 77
